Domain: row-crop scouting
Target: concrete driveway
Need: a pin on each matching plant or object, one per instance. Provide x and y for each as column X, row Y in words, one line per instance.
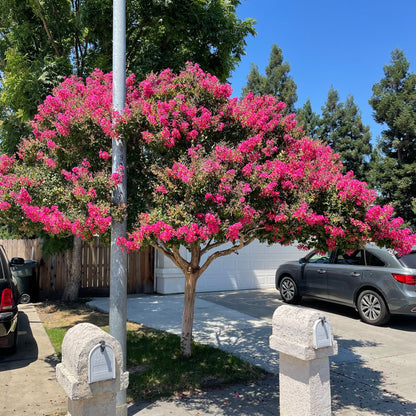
column 374, row 372
column 381, row 358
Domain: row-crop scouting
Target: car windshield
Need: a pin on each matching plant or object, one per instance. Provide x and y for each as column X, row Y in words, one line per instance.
column 409, row 260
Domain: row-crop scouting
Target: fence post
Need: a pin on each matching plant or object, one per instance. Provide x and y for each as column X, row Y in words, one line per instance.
column 304, row 340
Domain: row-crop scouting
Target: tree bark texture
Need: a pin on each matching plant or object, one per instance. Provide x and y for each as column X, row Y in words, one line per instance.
column 188, row 313
column 73, row 259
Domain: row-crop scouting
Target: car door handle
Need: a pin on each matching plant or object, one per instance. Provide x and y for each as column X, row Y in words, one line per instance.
column 355, row 274
column 322, row 271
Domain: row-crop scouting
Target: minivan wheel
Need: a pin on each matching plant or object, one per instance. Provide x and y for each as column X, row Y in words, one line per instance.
column 289, row 290
column 372, row 308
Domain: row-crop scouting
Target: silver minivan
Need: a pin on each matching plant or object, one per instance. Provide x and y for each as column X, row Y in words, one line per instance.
column 375, row 281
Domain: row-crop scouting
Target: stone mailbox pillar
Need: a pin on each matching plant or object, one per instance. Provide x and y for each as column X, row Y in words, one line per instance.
column 91, row 371
column 304, row 340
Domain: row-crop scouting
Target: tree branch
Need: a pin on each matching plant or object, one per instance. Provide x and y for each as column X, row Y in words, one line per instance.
column 225, row 252
column 173, row 255
column 210, row 246
column 131, row 42
column 3, row 34
column 45, row 26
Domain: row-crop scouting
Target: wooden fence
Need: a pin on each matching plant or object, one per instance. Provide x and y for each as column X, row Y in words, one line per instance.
column 51, row 272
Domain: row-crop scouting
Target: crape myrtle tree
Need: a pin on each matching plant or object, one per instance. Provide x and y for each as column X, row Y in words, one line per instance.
column 41, row 42
column 213, row 174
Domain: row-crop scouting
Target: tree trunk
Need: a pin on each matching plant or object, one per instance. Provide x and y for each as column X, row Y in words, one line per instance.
column 188, row 313
column 73, row 260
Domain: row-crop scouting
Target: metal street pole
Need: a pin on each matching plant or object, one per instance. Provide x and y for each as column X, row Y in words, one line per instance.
column 118, row 260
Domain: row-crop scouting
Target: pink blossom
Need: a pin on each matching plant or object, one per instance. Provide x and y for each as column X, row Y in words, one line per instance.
column 161, row 189
column 233, row 231
column 181, row 172
column 50, row 163
column 4, row 205
column 104, row 155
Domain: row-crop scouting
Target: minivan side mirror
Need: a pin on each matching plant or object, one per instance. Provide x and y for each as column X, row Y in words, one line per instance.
column 302, row 260
column 17, row 261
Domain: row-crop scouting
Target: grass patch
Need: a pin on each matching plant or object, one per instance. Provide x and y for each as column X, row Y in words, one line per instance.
column 154, row 360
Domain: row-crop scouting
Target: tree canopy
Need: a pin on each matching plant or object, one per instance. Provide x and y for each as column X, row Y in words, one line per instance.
column 214, row 173
column 342, row 128
column 276, row 82
column 394, row 104
column 43, row 41
column 308, row 119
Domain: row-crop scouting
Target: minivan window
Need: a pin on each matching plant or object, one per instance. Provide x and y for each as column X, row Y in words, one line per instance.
column 373, row 260
column 409, row 260
column 320, row 258
column 355, row 258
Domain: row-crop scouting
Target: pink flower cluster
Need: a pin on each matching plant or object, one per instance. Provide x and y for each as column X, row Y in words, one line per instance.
column 209, row 226
column 75, row 103
column 221, row 169
column 388, row 229
column 181, row 173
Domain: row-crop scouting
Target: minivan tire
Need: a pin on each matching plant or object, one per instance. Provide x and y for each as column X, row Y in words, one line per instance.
column 289, row 290
column 372, row 308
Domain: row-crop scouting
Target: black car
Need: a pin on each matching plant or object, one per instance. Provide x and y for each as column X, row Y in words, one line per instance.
column 375, row 281
column 8, row 304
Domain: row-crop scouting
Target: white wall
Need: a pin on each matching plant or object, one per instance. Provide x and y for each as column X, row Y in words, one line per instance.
column 254, row 267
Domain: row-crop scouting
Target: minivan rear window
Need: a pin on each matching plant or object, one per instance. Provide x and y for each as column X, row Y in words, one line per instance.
column 409, row 260
column 373, row 260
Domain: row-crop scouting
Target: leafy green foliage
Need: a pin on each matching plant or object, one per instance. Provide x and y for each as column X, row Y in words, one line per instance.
column 277, row 81
column 308, row 119
column 341, row 126
column 43, row 41
column 394, row 104
column 166, row 34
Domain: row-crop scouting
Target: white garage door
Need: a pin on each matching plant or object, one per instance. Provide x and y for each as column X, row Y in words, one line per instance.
column 253, row 267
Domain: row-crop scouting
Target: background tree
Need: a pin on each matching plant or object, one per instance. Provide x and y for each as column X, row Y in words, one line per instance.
column 220, row 173
column 43, row 41
column 308, row 119
column 166, row 34
column 277, row 81
column 31, row 61
column 394, row 104
column 341, row 126
column 255, row 82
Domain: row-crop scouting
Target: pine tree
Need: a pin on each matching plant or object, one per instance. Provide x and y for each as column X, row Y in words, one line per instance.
column 394, row 104
column 276, row 82
column 255, row 82
column 341, row 126
column 308, row 119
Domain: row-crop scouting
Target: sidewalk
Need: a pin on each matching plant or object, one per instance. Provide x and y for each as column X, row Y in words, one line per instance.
column 27, row 378
column 355, row 391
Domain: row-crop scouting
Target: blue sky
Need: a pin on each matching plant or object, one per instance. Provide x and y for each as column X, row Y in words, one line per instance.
column 344, row 43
